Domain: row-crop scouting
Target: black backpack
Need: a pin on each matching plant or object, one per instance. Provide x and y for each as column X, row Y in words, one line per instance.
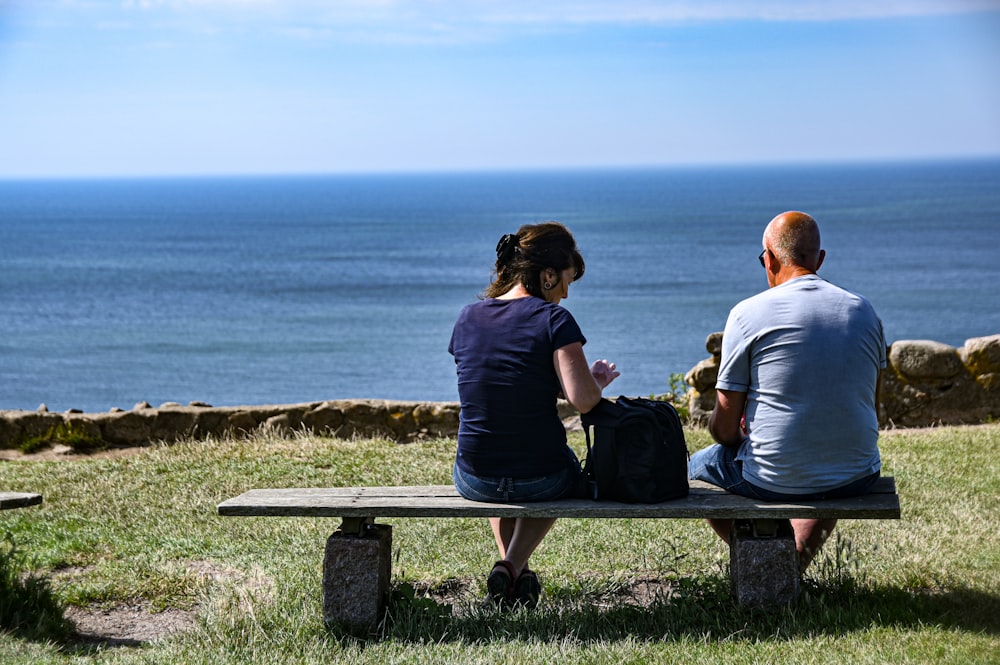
column 638, row 453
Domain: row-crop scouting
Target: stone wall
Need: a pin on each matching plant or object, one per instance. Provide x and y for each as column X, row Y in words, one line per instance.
column 926, row 383
column 397, row 420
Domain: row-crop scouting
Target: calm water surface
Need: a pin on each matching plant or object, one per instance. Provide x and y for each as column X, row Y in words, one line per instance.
column 282, row 290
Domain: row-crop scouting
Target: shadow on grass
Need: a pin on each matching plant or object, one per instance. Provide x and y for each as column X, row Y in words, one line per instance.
column 28, row 608
column 697, row 608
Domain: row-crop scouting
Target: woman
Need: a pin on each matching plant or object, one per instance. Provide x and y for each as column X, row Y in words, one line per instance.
column 516, row 352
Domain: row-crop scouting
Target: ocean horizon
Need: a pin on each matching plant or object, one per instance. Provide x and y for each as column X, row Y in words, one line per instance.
column 286, row 289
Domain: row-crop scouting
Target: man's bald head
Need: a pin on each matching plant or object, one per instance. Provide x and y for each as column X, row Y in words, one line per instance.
column 793, row 237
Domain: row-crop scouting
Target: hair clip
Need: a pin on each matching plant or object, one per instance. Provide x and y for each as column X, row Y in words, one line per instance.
column 505, row 248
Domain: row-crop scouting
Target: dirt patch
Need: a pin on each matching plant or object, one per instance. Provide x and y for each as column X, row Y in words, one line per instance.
column 133, row 623
column 129, row 624
column 642, row 590
column 63, row 453
column 645, row 591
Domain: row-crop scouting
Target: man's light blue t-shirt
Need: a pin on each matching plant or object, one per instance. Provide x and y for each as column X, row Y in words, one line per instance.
column 808, row 354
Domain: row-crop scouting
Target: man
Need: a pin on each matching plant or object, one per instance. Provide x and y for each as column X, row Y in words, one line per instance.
column 796, row 399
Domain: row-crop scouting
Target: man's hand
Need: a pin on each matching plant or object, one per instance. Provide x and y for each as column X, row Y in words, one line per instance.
column 726, row 423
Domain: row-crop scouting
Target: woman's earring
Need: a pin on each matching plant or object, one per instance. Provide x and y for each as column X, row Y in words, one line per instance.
column 547, row 286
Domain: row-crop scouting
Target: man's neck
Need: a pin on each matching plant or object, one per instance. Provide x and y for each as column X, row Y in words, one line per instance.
column 790, row 273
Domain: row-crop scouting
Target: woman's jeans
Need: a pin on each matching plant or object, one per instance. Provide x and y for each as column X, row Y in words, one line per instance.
column 562, row 484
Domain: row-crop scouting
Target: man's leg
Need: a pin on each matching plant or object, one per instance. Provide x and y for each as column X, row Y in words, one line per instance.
column 722, row 527
column 809, row 538
column 716, row 464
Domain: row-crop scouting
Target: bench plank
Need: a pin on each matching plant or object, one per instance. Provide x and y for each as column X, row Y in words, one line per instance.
column 11, row 500
column 703, row 501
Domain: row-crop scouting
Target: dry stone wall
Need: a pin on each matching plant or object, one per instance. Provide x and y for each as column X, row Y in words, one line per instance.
column 925, row 383
column 169, row 422
column 397, row 420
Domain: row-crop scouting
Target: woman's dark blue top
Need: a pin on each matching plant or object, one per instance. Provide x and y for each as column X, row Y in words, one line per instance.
column 507, row 385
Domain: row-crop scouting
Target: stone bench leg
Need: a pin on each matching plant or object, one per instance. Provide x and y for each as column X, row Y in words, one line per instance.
column 763, row 563
column 356, row 572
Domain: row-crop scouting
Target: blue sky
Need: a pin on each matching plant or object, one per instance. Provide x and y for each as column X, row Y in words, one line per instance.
column 174, row 87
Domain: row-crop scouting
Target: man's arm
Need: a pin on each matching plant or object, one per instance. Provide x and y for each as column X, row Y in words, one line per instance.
column 878, row 391
column 725, row 421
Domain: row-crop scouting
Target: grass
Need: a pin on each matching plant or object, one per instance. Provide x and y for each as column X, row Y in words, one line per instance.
column 142, row 529
column 28, row 607
column 79, row 438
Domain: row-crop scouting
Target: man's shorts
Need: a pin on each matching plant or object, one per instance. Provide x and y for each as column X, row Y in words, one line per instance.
column 717, row 464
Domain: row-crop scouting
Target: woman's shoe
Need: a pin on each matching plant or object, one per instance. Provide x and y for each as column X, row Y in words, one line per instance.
column 527, row 589
column 500, row 584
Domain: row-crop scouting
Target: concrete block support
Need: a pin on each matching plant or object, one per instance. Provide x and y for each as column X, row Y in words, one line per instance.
column 356, row 574
column 763, row 563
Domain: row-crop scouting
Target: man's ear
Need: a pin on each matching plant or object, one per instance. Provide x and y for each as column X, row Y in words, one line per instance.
column 822, row 255
column 771, row 263
column 771, row 268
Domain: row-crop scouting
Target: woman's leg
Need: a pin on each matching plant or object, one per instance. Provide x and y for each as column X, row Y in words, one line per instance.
column 517, row 539
column 503, row 531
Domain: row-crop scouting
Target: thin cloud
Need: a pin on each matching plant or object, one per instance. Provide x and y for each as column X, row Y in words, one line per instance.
column 422, row 13
column 729, row 10
column 442, row 22
column 446, row 22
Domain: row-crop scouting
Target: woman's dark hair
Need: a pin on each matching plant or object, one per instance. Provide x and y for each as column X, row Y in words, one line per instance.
column 522, row 256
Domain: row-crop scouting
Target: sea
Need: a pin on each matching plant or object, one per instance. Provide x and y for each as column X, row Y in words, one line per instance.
column 281, row 290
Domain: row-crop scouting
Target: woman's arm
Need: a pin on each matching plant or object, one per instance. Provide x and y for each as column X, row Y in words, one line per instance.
column 581, row 384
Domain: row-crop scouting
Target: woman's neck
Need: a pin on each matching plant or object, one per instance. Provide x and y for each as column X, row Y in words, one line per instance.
column 517, row 291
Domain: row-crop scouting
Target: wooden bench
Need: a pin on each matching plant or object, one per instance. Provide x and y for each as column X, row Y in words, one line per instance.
column 356, row 568
column 11, row 500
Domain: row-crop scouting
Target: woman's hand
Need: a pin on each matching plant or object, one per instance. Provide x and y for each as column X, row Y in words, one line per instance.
column 604, row 372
